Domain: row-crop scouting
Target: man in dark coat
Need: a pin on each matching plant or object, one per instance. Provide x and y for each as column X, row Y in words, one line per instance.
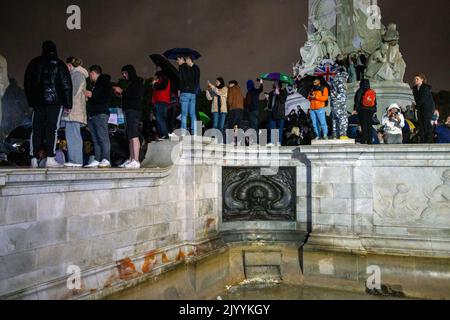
column 425, row 107
column 48, row 87
column 276, row 106
column 361, row 66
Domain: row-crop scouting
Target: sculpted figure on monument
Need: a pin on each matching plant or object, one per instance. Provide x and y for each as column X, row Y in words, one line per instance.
column 379, row 67
column 387, row 63
column 330, row 42
column 321, row 44
column 438, row 210
column 313, row 51
column 4, row 83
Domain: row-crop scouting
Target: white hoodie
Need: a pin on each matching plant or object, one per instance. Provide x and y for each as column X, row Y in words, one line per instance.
column 392, row 125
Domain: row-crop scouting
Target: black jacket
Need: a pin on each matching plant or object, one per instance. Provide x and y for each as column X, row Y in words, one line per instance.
column 197, row 74
column 101, row 96
column 278, row 110
column 133, row 95
column 189, row 77
column 364, row 85
column 424, row 98
column 47, row 80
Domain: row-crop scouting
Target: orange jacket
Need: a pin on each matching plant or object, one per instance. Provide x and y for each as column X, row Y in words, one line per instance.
column 318, row 102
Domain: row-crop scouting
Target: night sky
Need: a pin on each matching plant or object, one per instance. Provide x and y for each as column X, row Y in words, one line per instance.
column 238, row 39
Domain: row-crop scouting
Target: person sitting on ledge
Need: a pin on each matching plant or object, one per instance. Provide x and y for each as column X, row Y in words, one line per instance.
column 393, row 122
column 443, row 132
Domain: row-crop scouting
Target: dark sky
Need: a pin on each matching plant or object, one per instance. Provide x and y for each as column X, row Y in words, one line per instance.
column 238, row 38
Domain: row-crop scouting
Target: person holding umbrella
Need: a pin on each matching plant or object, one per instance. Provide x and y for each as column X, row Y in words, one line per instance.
column 218, row 94
column 318, row 97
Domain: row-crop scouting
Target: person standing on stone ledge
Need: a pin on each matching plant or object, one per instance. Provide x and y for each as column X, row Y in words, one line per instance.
column 339, row 105
column 98, row 116
column 318, row 97
column 132, row 98
column 361, row 66
column 235, row 102
column 425, row 107
column 78, row 117
column 48, row 87
column 277, row 112
column 365, row 108
column 218, row 94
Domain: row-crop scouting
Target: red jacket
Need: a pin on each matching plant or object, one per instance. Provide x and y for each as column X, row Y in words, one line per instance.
column 161, row 91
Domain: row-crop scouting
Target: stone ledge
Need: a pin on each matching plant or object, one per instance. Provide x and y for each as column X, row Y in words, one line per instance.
column 382, row 245
column 99, row 282
column 28, row 181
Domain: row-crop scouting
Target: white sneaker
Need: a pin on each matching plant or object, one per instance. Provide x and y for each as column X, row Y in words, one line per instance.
column 133, row 165
column 72, row 165
column 93, row 164
column 34, row 163
column 105, row 164
column 124, row 165
column 270, row 145
column 51, row 163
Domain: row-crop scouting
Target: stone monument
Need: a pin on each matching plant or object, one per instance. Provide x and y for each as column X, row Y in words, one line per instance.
column 4, row 83
column 351, row 27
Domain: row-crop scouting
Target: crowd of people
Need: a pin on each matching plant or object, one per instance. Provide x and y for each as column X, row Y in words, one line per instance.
column 65, row 94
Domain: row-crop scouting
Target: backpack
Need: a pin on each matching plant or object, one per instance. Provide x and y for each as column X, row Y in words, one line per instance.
column 369, row 99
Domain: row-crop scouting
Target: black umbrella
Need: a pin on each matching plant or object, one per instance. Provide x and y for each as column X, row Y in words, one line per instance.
column 173, row 54
column 306, row 84
column 168, row 68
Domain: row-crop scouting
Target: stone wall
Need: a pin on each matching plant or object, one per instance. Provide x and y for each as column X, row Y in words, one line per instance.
column 118, row 227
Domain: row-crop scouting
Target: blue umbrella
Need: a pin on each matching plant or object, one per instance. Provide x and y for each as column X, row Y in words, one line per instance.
column 173, row 54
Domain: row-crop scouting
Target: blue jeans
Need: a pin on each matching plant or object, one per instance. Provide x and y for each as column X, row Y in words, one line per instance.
column 161, row 119
column 276, row 124
column 319, row 121
column 188, row 106
column 219, row 120
column 74, row 142
column 98, row 126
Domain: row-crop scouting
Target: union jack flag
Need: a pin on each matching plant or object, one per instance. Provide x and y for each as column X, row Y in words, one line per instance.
column 326, row 70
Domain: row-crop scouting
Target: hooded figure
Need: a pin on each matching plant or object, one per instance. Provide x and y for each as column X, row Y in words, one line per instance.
column 393, row 122
column 47, row 80
column 134, row 93
column 339, row 105
column 365, row 114
column 48, row 87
